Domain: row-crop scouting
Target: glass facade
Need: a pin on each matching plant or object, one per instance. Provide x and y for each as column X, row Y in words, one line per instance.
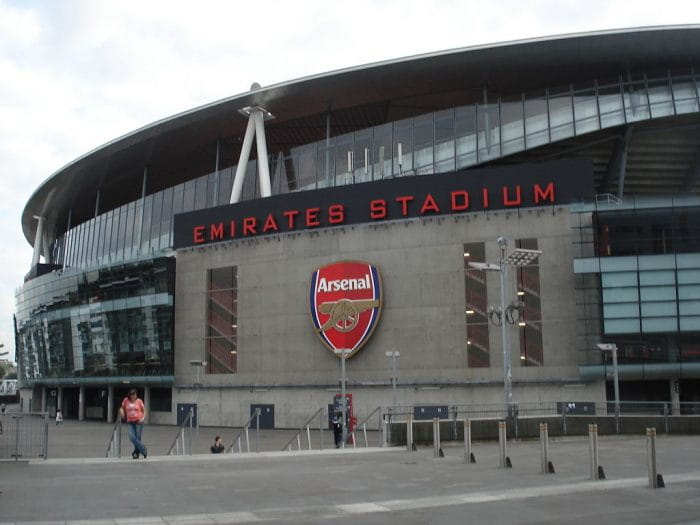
column 116, row 322
column 476, row 307
column 530, row 322
column 221, row 348
column 437, row 142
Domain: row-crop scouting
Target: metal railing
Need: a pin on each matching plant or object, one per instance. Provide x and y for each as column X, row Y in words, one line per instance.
column 24, row 435
column 114, row 448
column 306, row 428
column 363, row 424
column 180, row 445
column 244, row 430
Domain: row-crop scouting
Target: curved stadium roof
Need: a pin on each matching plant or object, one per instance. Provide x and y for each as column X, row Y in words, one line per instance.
column 183, row 146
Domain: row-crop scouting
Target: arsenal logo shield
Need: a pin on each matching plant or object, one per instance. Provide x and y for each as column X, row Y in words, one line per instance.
column 345, row 300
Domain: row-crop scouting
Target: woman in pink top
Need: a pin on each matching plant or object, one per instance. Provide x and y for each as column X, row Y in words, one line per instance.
column 135, row 412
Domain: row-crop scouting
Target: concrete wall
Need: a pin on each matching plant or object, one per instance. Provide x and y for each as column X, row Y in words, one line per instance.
column 282, row 361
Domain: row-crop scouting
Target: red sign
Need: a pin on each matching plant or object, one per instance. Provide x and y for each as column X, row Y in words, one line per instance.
column 345, row 301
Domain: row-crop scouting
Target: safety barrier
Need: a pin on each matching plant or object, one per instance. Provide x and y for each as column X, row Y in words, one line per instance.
column 306, row 428
column 363, row 425
column 181, row 446
column 245, row 430
column 114, row 448
column 24, row 435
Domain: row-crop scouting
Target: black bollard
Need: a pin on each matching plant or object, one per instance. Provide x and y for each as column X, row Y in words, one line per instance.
column 601, row 472
column 550, row 467
column 441, row 454
column 508, row 463
column 472, row 459
column 660, row 482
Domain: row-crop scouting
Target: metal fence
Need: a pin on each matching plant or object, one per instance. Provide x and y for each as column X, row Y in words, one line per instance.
column 24, row 435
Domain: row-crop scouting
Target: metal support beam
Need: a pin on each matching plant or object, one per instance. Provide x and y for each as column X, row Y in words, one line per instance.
column 263, row 166
column 617, row 164
column 38, row 240
column 243, row 162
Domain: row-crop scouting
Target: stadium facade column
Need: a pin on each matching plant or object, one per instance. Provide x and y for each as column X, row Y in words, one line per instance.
column 39, row 241
column 256, row 127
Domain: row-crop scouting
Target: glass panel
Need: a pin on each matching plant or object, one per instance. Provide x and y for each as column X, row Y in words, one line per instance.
column 610, row 102
column 689, row 324
column 121, row 235
column 250, row 182
column 115, row 234
column 423, row 144
column 660, row 98
column 536, row 123
column 656, row 262
column 444, row 141
column 221, row 346
column 476, row 307
column 382, row 151
column 167, row 215
column 403, row 147
column 362, row 156
column 90, row 237
column 156, row 218
column 619, row 279
column 658, row 277
column 344, row 145
column 188, row 200
column 325, row 164
column 225, row 185
column 651, row 325
column 489, row 127
column 561, row 116
column 146, row 228
column 305, row 166
column 465, row 136
column 688, row 276
column 611, row 311
column 585, row 111
column 107, row 235
column 659, row 309
column 689, row 307
column 688, row 292
column 684, row 95
column 616, row 264
column 658, row 293
column 636, row 107
column 621, row 326
column 212, row 190
column 512, row 128
column 620, row 295
column 531, row 345
column 129, row 233
column 200, row 193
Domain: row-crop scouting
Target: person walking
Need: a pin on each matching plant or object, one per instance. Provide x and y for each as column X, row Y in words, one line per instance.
column 134, row 411
column 218, row 446
column 337, row 430
column 59, row 417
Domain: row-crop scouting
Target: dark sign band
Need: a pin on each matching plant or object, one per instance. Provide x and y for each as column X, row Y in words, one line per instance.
column 521, row 186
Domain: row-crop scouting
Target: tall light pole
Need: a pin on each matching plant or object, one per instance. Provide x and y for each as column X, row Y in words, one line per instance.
column 394, row 378
column 518, row 258
column 612, row 347
column 343, row 405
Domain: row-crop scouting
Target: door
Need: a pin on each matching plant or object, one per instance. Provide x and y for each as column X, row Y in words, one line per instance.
column 182, row 411
column 267, row 416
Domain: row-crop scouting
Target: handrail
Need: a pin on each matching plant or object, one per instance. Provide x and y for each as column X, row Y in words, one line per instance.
column 237, row 439
column 305, row 426
column 179, row 442
column 364, row 427
column 114, row 448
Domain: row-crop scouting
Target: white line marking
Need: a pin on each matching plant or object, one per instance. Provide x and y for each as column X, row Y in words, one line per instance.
column 362, row 508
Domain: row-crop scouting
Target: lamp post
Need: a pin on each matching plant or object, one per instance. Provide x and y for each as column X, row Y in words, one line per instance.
column 198, row 364
column 612, row 347
column 394, row 379
column 518, row 258
column 343, row 405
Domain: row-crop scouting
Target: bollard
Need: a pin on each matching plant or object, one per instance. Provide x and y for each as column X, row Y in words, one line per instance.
column 468, row 454
column 436, row 437
column 409, row 433
column 502, row 444
column 544, row 449
column 655, row 479
column 593, row 449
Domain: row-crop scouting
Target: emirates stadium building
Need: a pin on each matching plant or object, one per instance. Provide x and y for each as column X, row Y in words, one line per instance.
column 447, row 229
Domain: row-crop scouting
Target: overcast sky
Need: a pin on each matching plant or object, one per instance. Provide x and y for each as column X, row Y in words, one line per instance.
column 77, row 74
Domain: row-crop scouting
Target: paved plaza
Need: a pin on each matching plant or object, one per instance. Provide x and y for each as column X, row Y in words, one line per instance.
column 367, row 485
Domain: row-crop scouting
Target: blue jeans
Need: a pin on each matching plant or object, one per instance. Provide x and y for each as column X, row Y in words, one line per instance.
column 135, row 430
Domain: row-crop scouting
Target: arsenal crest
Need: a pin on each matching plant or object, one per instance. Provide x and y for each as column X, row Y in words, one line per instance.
column 345, row 300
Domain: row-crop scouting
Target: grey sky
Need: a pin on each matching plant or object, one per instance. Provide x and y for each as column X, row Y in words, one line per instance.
column 76, row 74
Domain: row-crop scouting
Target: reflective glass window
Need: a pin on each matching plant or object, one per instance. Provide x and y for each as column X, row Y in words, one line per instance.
column 489, row 132
column 403, row 147
column 561, row 117
column 225, row 185
column 116, row 218
column 536, row 124
column 610, row 102
column 423, row 144
column 382, row 151
column 465, row 136
column 166, row 220
column 305, row 159
column 512, row 129
column 156, row 218
column 200, row 195
column 146, row 224
column 585, row 110
column 212, row 190
column 121, row 236
column 660, row 97
column 445, row 141
column 636, row 102
column 362, row 156
column 344, row 146
column 188, row 198
column 684, row 94
column 325, row 165
column 221, row 345
column 250, row 183
column 129, row 232
column 476, row 307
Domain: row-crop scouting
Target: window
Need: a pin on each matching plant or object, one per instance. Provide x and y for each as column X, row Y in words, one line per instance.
column 222, row 321
column 477, row 342
column 530, row 321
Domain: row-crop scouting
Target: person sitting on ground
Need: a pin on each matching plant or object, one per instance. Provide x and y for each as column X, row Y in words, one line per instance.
column 218, row 446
